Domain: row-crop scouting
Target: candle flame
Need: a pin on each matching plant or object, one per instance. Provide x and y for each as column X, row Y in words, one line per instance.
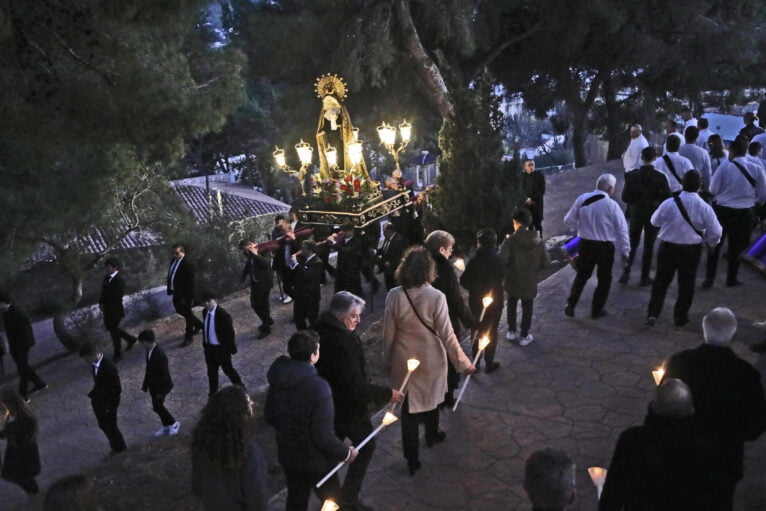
column 389, row 418
column 459, row 264
column 486, row 301
column 483, row 342
column 597, row 475
column 412, row 364
column 330, row 505
column 658, row 374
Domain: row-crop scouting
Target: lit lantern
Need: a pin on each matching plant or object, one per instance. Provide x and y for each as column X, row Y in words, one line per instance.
column 279, row 157
column 405, row 129
column 354, row 152
column 387, row 134
column 332, row 156
column 305, row 152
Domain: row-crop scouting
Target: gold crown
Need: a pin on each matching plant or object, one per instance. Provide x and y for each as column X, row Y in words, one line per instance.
column 329, row 84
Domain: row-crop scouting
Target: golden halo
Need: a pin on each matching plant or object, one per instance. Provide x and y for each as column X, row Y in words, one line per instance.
column 328, row 84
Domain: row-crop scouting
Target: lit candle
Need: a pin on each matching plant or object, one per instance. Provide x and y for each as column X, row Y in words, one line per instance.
column 330, row 505
column 485, row 302
column 388, row 418
column 658, row 374
column 412, row 364
column 598, row 476
column 459, row 264
column 483, row 343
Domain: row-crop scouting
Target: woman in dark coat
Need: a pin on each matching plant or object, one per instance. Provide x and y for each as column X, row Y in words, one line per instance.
column 21, row 462
column 228, row 467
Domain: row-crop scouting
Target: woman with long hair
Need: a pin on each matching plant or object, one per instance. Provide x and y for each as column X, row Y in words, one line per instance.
column 228, row 468
column 417, row 325
column 21, row 462
column 718, row 154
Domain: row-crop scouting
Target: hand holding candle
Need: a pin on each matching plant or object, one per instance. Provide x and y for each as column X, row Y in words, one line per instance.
column 485, row 302
column 483, row 343
column 598, row 476
column 459, row 264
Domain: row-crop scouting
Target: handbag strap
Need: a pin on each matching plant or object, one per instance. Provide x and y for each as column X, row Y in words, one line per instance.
column 671, row 167
column 684, row 214
column 745, row 173
column 417, row 313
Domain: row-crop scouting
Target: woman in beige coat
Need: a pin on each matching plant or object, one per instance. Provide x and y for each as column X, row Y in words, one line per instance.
column 417, row 325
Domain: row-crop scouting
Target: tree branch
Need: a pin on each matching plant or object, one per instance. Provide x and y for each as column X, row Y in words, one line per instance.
column 500, row 48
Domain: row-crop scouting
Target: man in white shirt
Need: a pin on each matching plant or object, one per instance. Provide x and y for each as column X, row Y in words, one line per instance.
column 704, row 133
column 685, row 222
column 218, row 341
column 601, row 225
column 631, row 158
column 688, row 118
column 671, row 130
column 738, row 185
column 672, row 164
column 699, row 158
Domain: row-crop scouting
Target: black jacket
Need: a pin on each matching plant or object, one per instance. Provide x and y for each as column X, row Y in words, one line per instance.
column 183, row 283
column 350, row 255
column 18, row 328
column 299, row 407
column 112, row 292
column 258, row 271
column 484, row 276
column 157, row 378
column 446, row 282
column 306, row 280
column 644, row 190
column 342, row 364
column 664, row 465
column 22, row 457
column 729, row 402
column 392, row 255
column 224, row 329
column 106, row 384
column 533, row 186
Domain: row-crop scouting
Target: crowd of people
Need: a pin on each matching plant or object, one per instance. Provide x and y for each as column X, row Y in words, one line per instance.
column 319, row 404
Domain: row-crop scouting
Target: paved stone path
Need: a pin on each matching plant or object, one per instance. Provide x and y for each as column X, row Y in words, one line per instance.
column 576, row 387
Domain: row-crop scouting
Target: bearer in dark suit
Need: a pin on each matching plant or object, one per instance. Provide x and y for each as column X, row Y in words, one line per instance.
column 105, row 395
column 348, row 273
column 21, row 338
column 258, row 273
column 110, row 304
column 391, row 254
column 306, row 278
column 181, row 287
column 218, row 342
column 157, row 382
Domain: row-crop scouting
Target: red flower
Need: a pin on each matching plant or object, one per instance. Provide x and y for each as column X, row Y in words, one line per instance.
column 357, row 182
column 347, row 178
column 343, row 188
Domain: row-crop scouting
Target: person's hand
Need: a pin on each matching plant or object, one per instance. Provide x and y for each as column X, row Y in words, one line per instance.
column 290, row 234
column 528, row 201
column 471, row 369
column 353, row 454
column 396, row 396
column 254, row 249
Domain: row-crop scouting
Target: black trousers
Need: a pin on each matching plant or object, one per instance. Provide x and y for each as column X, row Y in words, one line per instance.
column 158, row 405
column 305, row 313
column 259, row 301
column 106, row 415
column 684, row 259
column 216, row 357
column 638, row 225
column 112, row 325
column 527, row 307
column 352, row 484
column 593, row 254
column 737, row 226
column 349, row 282
column 390, row 279
column 183, row 307
column 26, row 373
column 410, row 429
column 300, row 483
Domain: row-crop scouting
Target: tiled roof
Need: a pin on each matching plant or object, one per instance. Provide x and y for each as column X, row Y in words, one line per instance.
column 234, row 207
column 99, row 239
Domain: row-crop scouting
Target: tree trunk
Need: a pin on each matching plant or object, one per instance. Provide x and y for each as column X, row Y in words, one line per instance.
column 65, row 337
column 427, row 70
column 579, row 137
column 615, row 136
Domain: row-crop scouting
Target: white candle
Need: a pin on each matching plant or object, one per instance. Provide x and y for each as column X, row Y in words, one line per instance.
column 412, row 364
column 483, row 343
column 598, row 476
column 657, row 375
column 486, row 302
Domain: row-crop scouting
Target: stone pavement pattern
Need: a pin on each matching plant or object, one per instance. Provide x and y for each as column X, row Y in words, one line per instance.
column 576, row 387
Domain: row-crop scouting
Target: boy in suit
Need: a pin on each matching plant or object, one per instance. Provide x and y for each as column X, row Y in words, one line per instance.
column 110, row 303
column 218, row 342
column 157, row 382
column 180, row 285
column 21, row 338
column 105, row 395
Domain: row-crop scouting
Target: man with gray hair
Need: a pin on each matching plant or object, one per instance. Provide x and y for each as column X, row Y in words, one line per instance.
column 631, row 158
column 601, row 225
column 664, row 463
column 549, row 479
column 728, row 399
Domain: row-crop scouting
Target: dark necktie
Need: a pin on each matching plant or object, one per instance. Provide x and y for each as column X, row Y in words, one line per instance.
column 385, row 246
column 207, row 327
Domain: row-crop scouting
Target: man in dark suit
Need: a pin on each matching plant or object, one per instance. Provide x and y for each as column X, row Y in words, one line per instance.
column 306, row 278
column 258, row 273
column 157, row 382
column 218, row 342
column 180, row 283
column 350, row 248
column 110, row 304
column 391, row 254
column 729, row 402
column 105, row 395
column 21, row 338
column 533, row 190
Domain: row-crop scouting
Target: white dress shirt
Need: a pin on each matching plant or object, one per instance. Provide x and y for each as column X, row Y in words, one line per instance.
column 700, row 161
column 602, row 220
column 761, row 139
column 681, row 164
column 97, row 364
column 675, row 229
column 732, row 190
column 209, row 328
column 631, row 158
column 173, row 270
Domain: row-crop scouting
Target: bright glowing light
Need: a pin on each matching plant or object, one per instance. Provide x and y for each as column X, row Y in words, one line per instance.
column 330, row 505
column 658, row 374
column 486, row 301
column 354, row 152
column 332, row 156
column 305, row 152
column 459, row 264
column 279, row 157
column 405, row 129
column 387, row 134
column 483, row 342
column 412, row 364
column 389, row 418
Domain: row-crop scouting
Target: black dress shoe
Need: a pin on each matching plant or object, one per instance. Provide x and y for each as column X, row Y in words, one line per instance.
column 706, row 284
column 680, row 323
column 599, row 314
column 440, row 437
column 187, row 342
column 263, row 333
column 624, row 278
column 414, row 466
column 117, row 358
column 131, row 342
column 569, row 311
column 38, row 388
column 491, row 366
column 648, row 281
column 733, row 283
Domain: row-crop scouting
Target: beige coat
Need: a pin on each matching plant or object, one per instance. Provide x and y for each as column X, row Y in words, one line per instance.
column 405, row 337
